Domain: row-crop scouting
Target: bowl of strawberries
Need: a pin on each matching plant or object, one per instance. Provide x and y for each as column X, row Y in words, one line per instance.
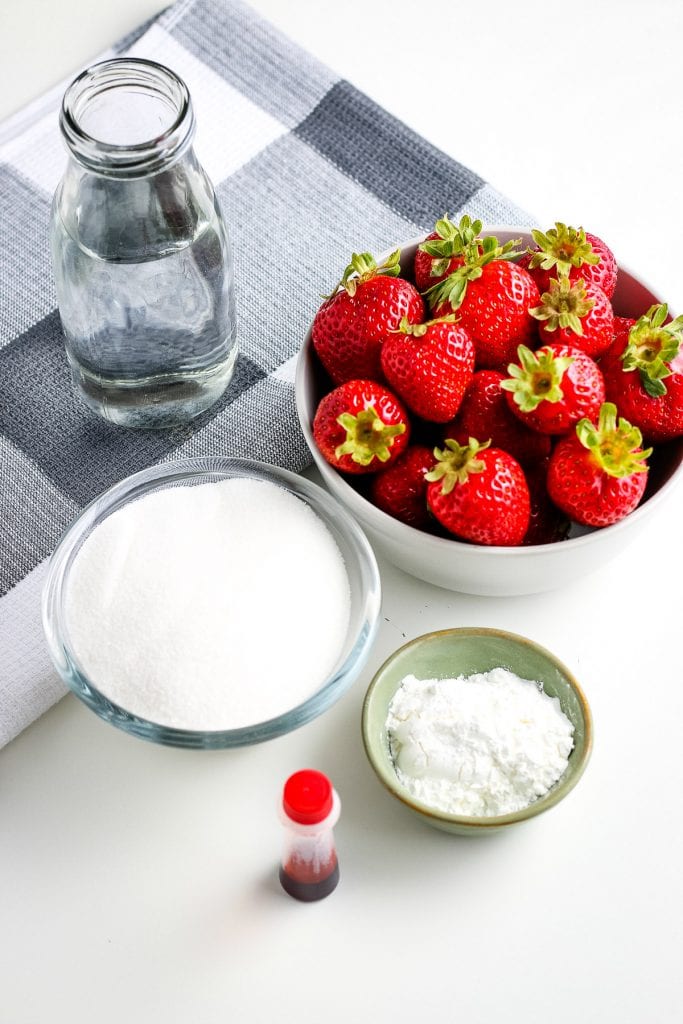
column 500, row 409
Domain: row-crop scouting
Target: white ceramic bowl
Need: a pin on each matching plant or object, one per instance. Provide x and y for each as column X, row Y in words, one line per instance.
column 478, row 569
column 449, row 653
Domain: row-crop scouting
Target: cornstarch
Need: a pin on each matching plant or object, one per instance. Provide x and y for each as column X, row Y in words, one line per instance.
column 480, row 745
column 209, row 607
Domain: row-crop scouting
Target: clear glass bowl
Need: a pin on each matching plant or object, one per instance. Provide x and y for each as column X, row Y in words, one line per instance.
column 361, row 568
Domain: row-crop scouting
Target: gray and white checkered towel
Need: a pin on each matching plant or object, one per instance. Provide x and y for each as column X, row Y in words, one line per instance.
column 307, row 170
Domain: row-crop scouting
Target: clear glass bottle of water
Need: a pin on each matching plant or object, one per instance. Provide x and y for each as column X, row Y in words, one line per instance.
column 141, row 255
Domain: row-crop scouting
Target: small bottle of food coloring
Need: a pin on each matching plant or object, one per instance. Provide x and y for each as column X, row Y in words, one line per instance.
column 309, row 811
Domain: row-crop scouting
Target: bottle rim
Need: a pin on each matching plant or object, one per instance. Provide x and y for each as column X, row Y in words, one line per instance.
column 137, row 159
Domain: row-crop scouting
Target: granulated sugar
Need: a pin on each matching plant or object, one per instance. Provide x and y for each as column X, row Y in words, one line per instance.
column 479, row 745
column 209, row 607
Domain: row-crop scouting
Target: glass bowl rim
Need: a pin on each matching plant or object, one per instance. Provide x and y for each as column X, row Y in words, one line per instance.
column 176, row 471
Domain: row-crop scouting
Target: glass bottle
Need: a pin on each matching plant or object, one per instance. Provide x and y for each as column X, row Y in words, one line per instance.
column 141, row 255
column 310, row 808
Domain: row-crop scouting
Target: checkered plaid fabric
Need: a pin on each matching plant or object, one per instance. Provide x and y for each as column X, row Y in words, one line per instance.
column 307, row 170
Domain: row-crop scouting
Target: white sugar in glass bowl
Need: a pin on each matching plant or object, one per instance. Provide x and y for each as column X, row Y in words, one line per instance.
column 364, row 603
column 479, row 569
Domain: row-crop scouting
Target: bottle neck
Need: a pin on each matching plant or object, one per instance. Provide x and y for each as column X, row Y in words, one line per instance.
column 127, row 118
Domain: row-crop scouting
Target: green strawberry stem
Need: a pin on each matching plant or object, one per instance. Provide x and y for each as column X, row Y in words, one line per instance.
column 476, row 255
column 652, row 345
column 562, row 247
column 367, row 436
column 362, row 267
column 614, row 443
column 456, row 462
column 564, row 305
column 538, row 379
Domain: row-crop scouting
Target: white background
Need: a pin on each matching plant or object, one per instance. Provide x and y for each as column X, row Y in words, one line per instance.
column 139, row 883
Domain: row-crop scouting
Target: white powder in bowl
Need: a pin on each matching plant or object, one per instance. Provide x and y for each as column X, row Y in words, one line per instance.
column 209, row 607
column 480, row 745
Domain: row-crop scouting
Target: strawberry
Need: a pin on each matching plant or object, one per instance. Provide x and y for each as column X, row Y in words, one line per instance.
column 479, row 493
column 552, row 389
column 574, row 252
column 360, row 426
column 597, row 474
column 547, row 524
column 575, row 312
column 484, row 413
column 643, row 373
column 444, row 250
column 429, row 366
column 622, row 325
column 492, row 298
column 349, row 328
column 401, row 490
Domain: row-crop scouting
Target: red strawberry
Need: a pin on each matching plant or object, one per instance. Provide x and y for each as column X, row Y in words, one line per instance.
column 622, row 325
column 360, row 426
column 547, row 524
column 349, row 328
column 443, row 251
column 429, row 366
column 551, row 389
column 597, row 474
column 479, row 493
column 575, row 252
column 575, row 312
column 484, row 413
column 643, row 373
column 492, row 298
column 401, row 490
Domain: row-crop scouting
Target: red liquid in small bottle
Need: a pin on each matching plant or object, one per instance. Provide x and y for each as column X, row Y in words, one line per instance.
column 300, row 881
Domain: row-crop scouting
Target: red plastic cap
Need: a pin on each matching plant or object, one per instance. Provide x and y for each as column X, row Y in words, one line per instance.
column 307, row 797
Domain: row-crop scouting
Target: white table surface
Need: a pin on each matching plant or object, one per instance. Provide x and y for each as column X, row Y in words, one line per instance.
column 139, row 883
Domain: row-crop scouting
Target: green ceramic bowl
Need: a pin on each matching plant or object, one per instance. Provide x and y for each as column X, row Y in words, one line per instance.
column 454, row 652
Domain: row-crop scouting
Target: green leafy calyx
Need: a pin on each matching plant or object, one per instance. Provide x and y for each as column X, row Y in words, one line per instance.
column 613, row 443
column 454, row 240
column 367, row 436
column 564, row 305
column 456, row 462
column 538, row 378
column 652, row 346
column 419, row 330
column 562, row 247
column 362, row 267
column 476, row 254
